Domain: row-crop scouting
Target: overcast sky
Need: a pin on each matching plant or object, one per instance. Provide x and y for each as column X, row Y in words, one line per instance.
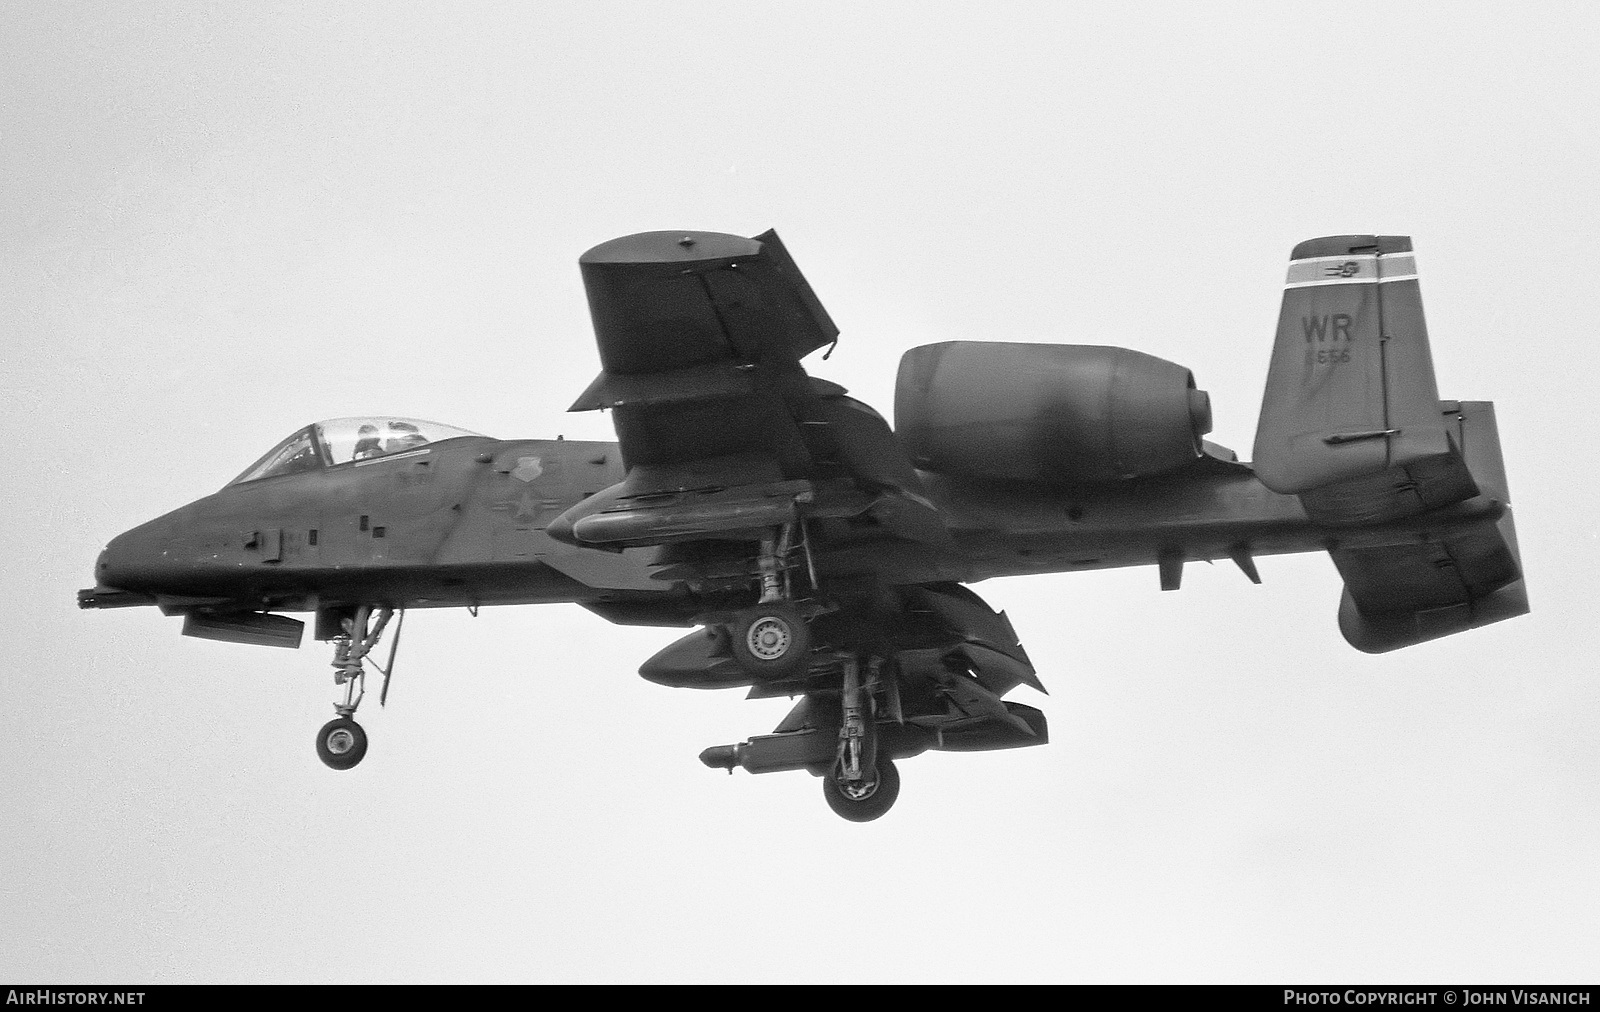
column 219, row 222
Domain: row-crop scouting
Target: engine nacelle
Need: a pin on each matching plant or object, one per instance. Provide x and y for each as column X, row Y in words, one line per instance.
column 1056, row 413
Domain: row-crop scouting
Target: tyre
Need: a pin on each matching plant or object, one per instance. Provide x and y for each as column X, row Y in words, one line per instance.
column 770, row 640
column 865, row 806
column 341, row 743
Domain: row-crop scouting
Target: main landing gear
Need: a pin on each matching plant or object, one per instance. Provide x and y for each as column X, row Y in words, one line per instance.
column 772, row 640
column 342, row 743
column 859, row 781
column 861, row 786
column 863, row 802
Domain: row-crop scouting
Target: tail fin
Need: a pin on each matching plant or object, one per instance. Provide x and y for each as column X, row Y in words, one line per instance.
column 1351, row 419
column 1352, row 423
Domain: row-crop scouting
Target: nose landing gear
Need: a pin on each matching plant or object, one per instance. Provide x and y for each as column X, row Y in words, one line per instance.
column 342, row 743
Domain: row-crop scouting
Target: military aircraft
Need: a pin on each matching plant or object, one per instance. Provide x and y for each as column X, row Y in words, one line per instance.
column 823, row 555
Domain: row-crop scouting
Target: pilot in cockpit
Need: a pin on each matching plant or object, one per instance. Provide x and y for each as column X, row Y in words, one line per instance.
column 367, row 444
column 403, row 436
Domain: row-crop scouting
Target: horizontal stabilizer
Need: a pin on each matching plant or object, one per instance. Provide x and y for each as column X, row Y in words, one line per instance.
column 1400, row 595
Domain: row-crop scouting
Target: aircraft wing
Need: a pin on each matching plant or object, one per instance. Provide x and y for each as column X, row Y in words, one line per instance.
column 721, row 430
column 663, row 301
column 700, row 339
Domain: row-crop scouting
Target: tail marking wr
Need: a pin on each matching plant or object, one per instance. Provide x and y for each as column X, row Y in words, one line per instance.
column 1317, row 328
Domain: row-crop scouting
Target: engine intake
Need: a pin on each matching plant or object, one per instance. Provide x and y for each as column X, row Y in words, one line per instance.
column 1055, row 413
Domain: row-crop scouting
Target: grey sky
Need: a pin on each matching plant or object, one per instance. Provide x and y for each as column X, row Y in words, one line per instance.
column 219, row 222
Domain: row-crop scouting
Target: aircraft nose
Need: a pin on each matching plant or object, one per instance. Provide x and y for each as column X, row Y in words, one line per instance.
column 111, row 568
column 128, row 562
column 120, row 574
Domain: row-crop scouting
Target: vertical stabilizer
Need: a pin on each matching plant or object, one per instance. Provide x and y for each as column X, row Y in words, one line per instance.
column 1351, row 419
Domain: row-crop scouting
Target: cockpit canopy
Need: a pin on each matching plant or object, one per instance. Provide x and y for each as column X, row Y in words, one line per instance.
column 347, row 440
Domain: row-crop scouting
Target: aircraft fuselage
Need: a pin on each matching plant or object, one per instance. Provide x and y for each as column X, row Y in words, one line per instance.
column 462, row 523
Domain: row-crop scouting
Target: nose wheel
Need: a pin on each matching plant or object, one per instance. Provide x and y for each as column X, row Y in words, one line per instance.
column 341, row 743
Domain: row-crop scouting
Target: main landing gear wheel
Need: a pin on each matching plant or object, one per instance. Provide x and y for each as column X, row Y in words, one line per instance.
column 863, row 802
column 341, row 743
column 770, row 640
